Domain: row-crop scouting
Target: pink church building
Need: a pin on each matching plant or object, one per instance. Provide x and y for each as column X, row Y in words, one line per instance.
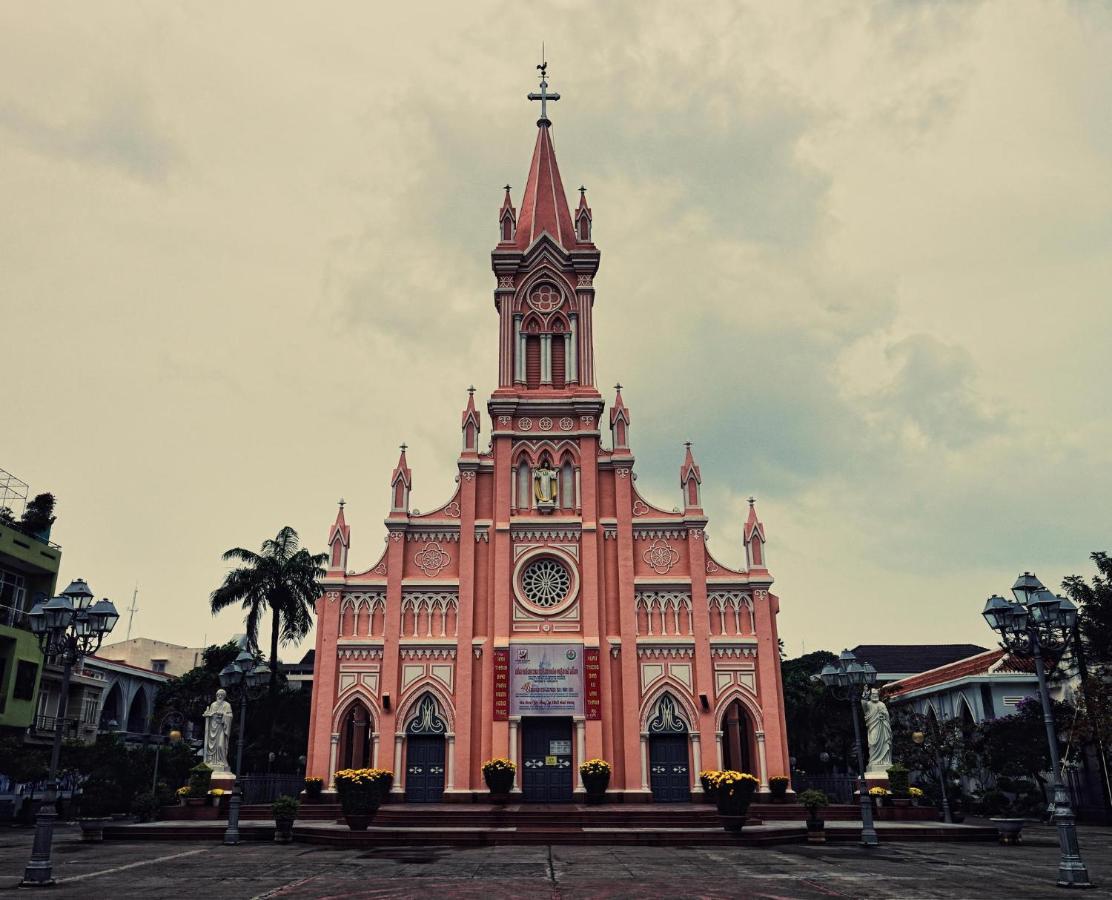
column 546, row 611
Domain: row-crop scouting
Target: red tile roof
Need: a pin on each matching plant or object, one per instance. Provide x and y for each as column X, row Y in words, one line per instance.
column 987, row 663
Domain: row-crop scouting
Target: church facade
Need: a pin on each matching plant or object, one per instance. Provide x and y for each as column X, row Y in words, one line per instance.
column 546, row 611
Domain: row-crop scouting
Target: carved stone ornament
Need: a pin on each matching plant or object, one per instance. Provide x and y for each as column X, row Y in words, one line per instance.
column 380, row 569
column 525, row 424
column 712, row 566
column 332, row 596
column 623, row 473
column 545, row 298
column 585, row 281
column 545, row 424
column 432, row 560
column 587, row 421
column 506, row 281
column 452, row 510
column 503, row 420
column 639, row 508
column 395, row 536
column 469, row 475
column 567, row 423
column 660, row 557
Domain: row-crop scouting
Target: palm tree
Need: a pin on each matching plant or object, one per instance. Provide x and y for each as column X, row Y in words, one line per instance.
column 282, row 578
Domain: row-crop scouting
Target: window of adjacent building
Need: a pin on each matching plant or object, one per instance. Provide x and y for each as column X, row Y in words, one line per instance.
column 158, row 665
column 89, row 709
column 25, row 673
column 13, row 594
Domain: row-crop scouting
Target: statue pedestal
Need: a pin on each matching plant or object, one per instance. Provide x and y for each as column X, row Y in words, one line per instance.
column 223, row 780
column 878, row 778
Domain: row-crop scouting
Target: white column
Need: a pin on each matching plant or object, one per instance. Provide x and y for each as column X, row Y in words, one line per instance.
column 580, row 750
column 374, row 750
column 761, row 760
column 578, row 490
column 519, row 356
column 332, row 753
column 546, row 359
column 514, row 721
column 718, row 747
column 644, row 760
column 571, row 350
column 696, row 764
column 450, row 778
column 399, row 773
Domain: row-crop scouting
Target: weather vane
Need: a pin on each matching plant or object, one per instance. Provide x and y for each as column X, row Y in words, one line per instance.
column 544, row 96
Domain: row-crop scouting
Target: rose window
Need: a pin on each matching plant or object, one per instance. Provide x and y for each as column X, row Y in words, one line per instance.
column 546, row 583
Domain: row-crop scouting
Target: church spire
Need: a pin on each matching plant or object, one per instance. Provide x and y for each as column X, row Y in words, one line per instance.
column 619, row 421
column 753, row 535
column 544, row 206
column 339, row 540
column 401, row 481
column 691, row 482
column 470, row 424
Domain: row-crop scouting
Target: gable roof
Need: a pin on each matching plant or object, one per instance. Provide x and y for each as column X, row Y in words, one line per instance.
column 990, row 662
column 908, row 658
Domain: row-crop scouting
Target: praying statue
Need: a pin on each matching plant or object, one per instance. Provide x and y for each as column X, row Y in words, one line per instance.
column 544, row 485
column 878, row 726
column 218, row 729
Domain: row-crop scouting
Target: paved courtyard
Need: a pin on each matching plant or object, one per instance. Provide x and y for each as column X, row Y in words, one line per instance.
column 298, row 871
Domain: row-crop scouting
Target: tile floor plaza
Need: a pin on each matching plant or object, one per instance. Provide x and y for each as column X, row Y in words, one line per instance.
column 298, row 872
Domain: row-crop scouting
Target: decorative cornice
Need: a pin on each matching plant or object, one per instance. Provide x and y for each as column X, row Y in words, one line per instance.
column 733, row 650
column 364, row 651
column 432, row 533
column 643, row 532
column 427, row 650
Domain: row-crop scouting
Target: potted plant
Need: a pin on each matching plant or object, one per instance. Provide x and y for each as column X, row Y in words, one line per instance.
column 99, row 798
column 916, row 795
column 708, row 778
column 735, row 791
column 361, row 792
column 499, row 777
column 200, row 777
column 596, row 777
column 182, row 794
column 145, row 806
column 314, row 787
column 899, row 785
column 285, row 811
column 813, row 801
column 778, row 787
column 877, row 794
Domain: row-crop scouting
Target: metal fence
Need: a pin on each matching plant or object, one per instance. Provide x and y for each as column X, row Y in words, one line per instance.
column 268, row 788
column 839, row 788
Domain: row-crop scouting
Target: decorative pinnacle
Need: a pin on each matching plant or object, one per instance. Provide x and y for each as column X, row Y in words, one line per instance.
column 507, row 188
column 752, row 500
column 341, row 503
column 471, row 390
column 544, row 96
column 618, row 387
column 582, row 190
column 687, row 444
column 404, row 447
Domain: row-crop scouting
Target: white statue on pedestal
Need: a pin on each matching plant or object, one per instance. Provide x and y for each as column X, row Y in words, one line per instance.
column 218, row 728
column 878, row 726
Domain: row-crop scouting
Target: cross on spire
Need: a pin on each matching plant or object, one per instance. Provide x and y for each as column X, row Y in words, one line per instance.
column 618, row 387
column 404, row 447
column 471, row 390
column 544, row 96
column 341, row 503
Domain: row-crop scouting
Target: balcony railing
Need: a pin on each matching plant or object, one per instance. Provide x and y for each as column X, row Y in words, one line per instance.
column 47, row 724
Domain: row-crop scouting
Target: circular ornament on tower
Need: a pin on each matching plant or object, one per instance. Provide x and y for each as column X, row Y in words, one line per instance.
column 545, row 581
column 545, row 424
column 545, row 298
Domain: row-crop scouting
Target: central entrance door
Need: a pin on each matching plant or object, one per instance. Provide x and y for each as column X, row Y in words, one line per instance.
column 668, row 770
column 424, row 769
column 546, row 759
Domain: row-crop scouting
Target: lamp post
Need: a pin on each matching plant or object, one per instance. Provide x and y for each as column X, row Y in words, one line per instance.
column 1039, row 625
column 68, row 627
column 176, row 721
column 845, row 679
column 245, row 677
column 936, row 738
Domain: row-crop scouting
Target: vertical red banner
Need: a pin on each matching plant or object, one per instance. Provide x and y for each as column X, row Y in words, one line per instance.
column 591, row 672
column 501, row 684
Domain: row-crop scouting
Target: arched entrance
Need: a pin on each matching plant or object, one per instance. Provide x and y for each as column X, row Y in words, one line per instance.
column 139, row 714
column 424, row 752
column 737, row 736
column 111, row 713
column 669, row 769
column 356, row 738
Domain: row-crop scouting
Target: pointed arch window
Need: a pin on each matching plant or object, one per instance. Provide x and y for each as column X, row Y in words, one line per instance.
column 667, row 720
column 426, row 718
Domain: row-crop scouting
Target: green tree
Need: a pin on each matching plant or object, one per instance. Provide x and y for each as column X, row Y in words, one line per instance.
column 818, row 723
column 192, row 691
column 1094, row 603
column 282, row 579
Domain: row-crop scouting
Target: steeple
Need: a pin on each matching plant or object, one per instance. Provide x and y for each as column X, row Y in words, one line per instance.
column 583, row 218
column 753, row 535
column 544, row 207
column 401, row 481
column 619, row 422
column 507, row 219
column 691, row 482
column 470, row 424
column 339, row 540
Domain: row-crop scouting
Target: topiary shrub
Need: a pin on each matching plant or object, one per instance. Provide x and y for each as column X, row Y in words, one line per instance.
column 898, row 781
column 200, row 777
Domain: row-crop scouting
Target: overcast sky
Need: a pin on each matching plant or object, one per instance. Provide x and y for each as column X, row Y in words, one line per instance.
column 858, row 253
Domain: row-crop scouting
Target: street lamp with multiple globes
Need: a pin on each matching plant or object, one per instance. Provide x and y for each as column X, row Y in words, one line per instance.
column 1039, row 625
column 68, row 627
column 245, row 677
column 846, row 679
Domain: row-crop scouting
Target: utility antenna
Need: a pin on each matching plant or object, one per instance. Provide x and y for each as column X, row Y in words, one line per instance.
column 132, row 610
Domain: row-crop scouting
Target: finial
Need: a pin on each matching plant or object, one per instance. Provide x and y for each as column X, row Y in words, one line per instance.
column 687, row 444
column 341, row 503
column 471, row 390
column 507, row 188
column 752, row 500
column 618, row 387
column 404, row 447
column 544, row 96
column 582, row 190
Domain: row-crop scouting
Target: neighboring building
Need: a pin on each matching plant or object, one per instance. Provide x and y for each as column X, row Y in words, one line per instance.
column 127, row 699
column 157, row 656
column 28, row 573
column 547, row 611
column 983, row 686
column 895, row 661
column 299, row 675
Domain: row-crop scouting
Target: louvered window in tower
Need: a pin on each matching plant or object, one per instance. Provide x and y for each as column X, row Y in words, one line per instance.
column 533, row 361
column 558, row 366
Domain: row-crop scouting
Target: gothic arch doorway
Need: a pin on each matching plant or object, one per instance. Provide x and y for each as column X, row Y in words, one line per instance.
column 356, row 738
column 669, row 768
column 737, row 738
column 424, row 752
column 139, row 714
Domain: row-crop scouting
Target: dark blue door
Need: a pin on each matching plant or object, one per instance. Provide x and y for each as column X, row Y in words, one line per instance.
column 424, row 769
column 546, row 760
column 669, row 773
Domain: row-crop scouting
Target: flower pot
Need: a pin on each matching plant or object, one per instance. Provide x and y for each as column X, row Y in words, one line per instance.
column 283, row 830
column 596, row 788
column 778, row 790
column 93, row 829
column 816, row 831
column 499, row 782
column 1008, row 830
column 358, row 821
column 733, row 803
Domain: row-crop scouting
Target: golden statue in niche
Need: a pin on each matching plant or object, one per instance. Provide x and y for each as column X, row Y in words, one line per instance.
column 545, row 486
